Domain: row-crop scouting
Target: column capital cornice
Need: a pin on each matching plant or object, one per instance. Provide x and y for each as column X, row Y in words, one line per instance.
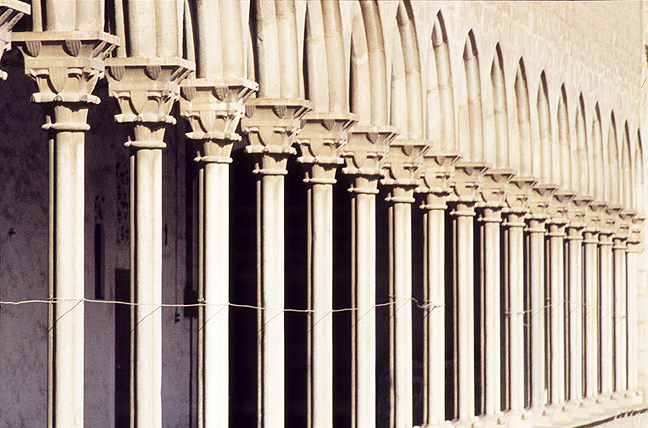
column 403, row 163
column 468, row 178
column 494, row 186
column 366, row 150
column 578, row 211
column 540, row 200
column 436, row 172
column 65, row 65
column 320, row 140
column 594, row 216
column 10, row 13
column 272, row 125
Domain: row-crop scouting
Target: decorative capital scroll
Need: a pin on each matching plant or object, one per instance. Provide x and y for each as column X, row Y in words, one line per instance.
column 494, row 187
column 366, row 150
column 10, row 13
column 436, row 174
column 214, row 108
column 272, row 126
column 468, row 179
column 65, row 65
column 145, row 89
column 321, row 140
column 518, row 194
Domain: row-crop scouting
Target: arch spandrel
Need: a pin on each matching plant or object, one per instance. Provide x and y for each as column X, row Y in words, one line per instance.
column 521, row 151
column 448, row 140
column 500, row 111
column 598, row 171
column 625, row 179
column 544, row 131
column 316, row 67
column 639, row 176
column 581, row 160
column 563, row 162
column 612, row 183
column 474, row 146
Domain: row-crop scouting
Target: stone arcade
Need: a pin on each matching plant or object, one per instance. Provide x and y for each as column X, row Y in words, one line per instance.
column 326, row 213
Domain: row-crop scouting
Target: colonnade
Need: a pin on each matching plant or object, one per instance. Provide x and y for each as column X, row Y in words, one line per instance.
column 556, row 262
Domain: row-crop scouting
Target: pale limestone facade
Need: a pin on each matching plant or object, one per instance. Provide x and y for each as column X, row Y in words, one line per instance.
column 485, row 268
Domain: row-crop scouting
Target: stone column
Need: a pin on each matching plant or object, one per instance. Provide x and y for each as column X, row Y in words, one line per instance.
column 364, row 156
column 591, row 288
column 145, row 89
column 607, row 301
column 468, row 179
column 634, row 249
column 401, row 178
column 517, row 199
column 493, row 193
column 575, row 314
column 10, row 13
column 557, row 297
column 541, row 195
column 272, row 126
column 435, row 174
column 620, row 240
column 66, row 67
column 213, row 109
column 320, row 141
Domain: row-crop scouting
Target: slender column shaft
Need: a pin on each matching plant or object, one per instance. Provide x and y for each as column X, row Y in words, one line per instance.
column 320, row 321
column 515, row 308
column 214, row 290
column 556, row 299
column 363, row 329
column 146, row 292
column 270, row 263
column 66, row 278
column 434, row 326
column 631, row 316
column 591, row 287
column 491, row 278
column 620, row 315
column 400, row 249
column 537, row 302
column 575, row 310
column 464, row 284
column 607, row 313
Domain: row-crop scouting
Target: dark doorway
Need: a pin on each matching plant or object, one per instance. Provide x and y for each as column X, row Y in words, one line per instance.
column 122, row 348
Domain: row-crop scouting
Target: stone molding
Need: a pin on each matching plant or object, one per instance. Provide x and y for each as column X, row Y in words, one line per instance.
column 436, row 173
column 365, row 154
column 272, row 125
column 518, row 194
column 145, row 89
column 214, row 108
column 402, row 167
column 10, row 13
column 468, row 178
column 494, row 188
column 321, row 140
column 65, row 65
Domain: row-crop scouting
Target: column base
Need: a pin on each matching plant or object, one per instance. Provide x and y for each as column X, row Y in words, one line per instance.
column 517, row 419
column 542, row 416
column 493, row 421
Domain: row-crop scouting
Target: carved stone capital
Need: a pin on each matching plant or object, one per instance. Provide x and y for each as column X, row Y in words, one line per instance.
column 10, row 12
column 519, row 191
column 403, row 163
column 634, row 237
column 214, row 108
column 494, row 187
column 366, row 150
column 436, row 173
column 468, row 178
column 578, row 211
column 624, row 222
column 540, row 200
column 272, row 126
column 65, row 65
column 594, row 214
column 320, row 141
